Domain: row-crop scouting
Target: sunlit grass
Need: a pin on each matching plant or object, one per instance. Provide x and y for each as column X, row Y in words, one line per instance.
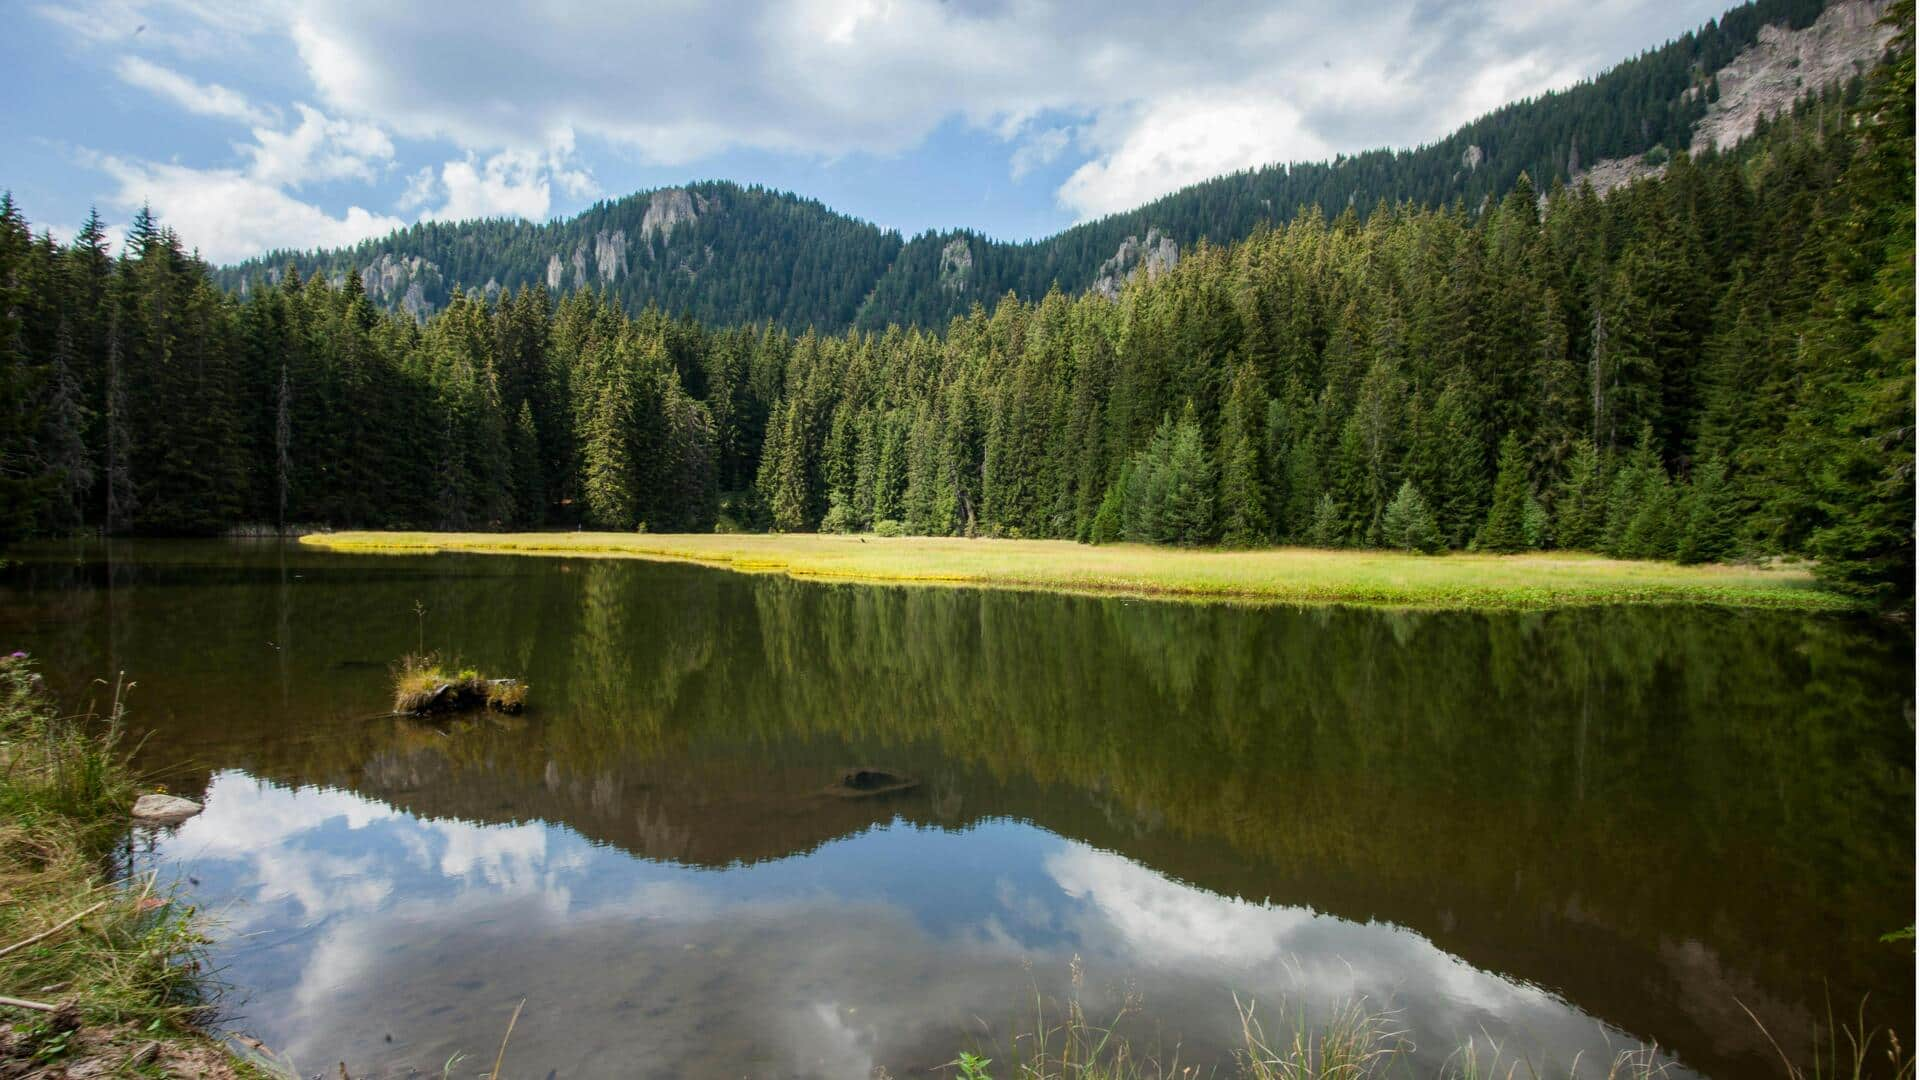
column 1290, row 575
column 423, row 684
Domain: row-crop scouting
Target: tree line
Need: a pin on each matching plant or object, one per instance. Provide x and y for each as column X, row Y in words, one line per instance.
column 1714, row 363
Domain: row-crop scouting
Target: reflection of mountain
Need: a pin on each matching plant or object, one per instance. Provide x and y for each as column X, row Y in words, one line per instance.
column 1651, row 812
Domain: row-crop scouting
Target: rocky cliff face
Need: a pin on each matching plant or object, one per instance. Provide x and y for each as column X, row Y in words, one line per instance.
column 1784, row 65
column 400, row 283
column 1153, row 256
column 668, row 208
column 1764, row 81
column 956, row 264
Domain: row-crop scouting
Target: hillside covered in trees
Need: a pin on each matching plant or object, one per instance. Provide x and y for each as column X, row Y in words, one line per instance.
column 723, row 253
column 1716, row 362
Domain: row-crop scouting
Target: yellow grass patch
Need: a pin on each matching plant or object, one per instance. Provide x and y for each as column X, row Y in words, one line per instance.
column 1291, row 575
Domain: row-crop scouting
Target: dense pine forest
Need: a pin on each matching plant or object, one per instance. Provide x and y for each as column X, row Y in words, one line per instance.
column 728, row 254
column 1711, row 364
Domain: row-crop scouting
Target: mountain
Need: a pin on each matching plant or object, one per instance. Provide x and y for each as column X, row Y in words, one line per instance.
column 727, row 254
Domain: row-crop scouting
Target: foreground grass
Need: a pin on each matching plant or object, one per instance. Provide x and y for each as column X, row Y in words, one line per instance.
column 1289, row 575
column 1356, row 1042
column 113, row 958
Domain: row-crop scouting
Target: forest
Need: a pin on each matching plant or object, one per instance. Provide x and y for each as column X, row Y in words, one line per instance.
column 1716, row 363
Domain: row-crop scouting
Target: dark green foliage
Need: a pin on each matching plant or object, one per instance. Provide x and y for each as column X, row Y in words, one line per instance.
column 1169, row 493
column 1506, row 526
column 1408, row 524
column 1580, row 502
column 1708, row 531
column 1744, row 322
column 1329, row 529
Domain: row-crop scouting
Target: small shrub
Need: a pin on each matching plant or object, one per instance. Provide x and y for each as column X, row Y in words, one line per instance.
column 889, row 528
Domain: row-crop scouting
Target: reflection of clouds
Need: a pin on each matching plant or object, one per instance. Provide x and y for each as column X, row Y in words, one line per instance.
column 509, row 856
column 244, row 815
column 886, row 947
column 1171, row 923
column 1321, row 961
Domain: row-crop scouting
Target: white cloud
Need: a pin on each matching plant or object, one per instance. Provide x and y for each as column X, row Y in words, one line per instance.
column 229, row 215
column 508, row 184
column 317, row 149
column 204, row 99
column 1169, row 95
column 1182, row 142
column 1147, row 97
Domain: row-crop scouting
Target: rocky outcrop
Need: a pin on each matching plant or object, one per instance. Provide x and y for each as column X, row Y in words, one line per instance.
column 401, row 283
column 668, row 209
column 1471, row 157
column 556, row 273
column 1785, row 65
column 1763, row 81
column 610, row 255
column 956, row 264
column 1610, row 173
column 1154, row 256
column 579, row 264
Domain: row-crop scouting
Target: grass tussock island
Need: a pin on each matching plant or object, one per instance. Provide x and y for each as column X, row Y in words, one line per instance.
column 422, row 684
column 1277, row 575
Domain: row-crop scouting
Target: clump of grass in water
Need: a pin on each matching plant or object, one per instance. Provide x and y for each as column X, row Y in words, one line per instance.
column 422, row 684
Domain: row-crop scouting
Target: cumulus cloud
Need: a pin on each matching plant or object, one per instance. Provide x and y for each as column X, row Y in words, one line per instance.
column 511, row 183
column 1138, row 101
column 316, row 150
column 230, row 215
column 1171, row 95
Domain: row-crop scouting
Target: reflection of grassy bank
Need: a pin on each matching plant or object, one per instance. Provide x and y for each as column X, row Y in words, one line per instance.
column 1300, row 575
column 110, row 958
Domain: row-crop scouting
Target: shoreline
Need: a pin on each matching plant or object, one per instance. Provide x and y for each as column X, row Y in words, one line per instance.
column 1310, row 576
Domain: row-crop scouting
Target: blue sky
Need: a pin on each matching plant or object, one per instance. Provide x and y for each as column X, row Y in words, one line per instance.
column 261, row 124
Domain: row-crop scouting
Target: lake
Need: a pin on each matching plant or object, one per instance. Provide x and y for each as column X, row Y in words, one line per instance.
column 1564, row 833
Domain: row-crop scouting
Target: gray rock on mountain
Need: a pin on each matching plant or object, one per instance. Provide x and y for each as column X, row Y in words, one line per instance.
column 1154, row 256
column 1784, row 65
column 610, row 254
column 667, row 209
column 1763, row 81
column 956, row 264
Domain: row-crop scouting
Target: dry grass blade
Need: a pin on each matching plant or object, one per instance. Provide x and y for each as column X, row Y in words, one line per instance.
column 54, row 929
column 502, row 1055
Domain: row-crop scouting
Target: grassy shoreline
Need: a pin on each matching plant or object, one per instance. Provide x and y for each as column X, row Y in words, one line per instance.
column 101, row 970
column 1271, row 575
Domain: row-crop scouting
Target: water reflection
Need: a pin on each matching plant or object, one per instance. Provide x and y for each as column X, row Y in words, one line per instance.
column 1655, row 815
column 340, row 909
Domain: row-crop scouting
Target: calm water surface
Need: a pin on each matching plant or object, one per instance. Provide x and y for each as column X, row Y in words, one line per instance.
column 1568, row 833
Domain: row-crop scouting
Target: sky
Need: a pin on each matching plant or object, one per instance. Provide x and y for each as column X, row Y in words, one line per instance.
column 252, row 125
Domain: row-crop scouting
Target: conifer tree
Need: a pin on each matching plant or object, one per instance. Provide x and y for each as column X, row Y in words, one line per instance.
column 1505, row 527
column 1708, row 534
column 1243, row 495
column 1580, row 502
column 1409, row 525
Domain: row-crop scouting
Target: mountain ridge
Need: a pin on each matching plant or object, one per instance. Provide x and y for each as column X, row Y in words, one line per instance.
column 728, row 253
